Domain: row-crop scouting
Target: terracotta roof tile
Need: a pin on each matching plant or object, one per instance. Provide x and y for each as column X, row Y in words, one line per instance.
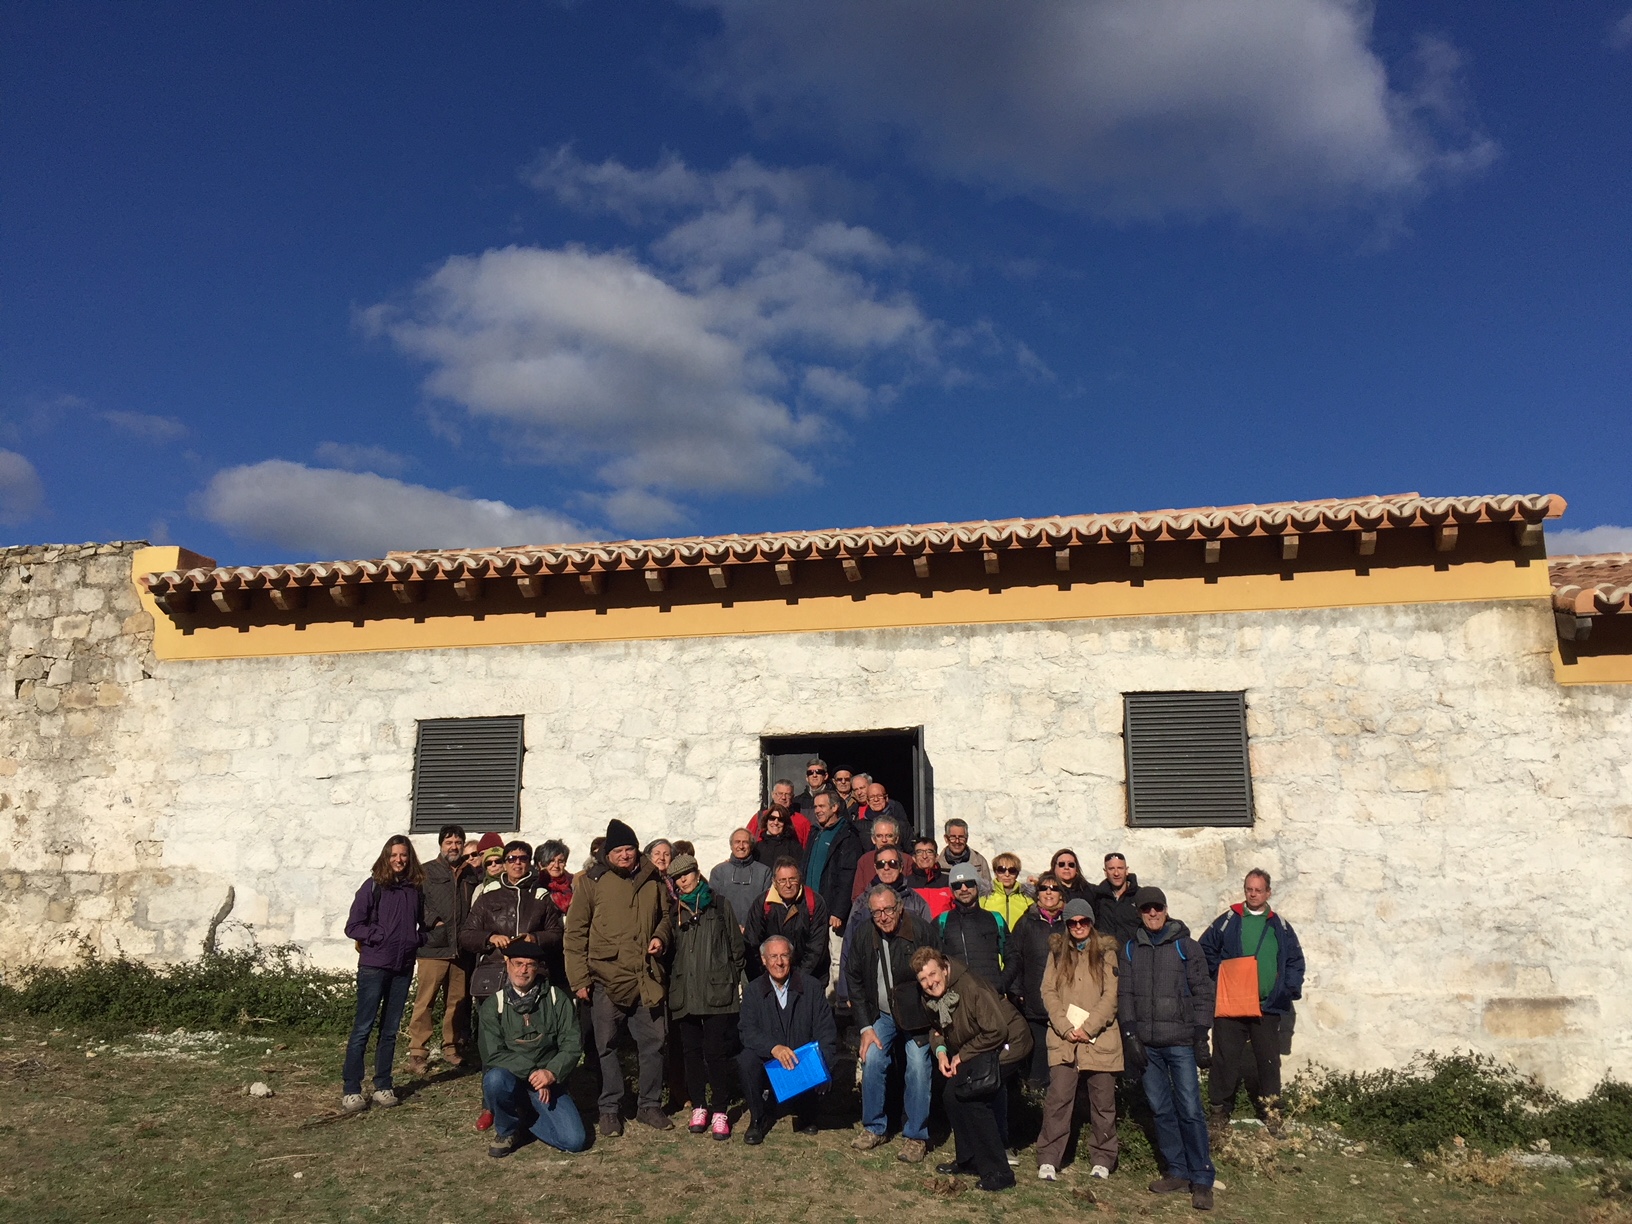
column 1592, row 586
column 1279, row 519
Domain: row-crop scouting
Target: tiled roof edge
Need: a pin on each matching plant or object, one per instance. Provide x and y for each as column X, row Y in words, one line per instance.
column 1592, row 585
column 1526, row 511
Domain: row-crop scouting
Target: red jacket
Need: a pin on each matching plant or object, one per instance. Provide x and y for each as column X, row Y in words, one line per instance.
column 801, row 826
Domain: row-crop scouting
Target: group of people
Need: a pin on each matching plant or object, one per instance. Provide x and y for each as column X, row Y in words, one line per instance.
column 964, row 974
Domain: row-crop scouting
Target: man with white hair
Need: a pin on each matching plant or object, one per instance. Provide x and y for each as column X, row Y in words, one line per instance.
column 741, row 879
column 782, row 1010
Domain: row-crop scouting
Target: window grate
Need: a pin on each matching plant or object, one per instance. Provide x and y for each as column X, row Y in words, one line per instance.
column 1187, row 759
column 467, row 771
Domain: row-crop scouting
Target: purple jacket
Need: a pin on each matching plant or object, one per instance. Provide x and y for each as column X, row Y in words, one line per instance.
column 389, row 923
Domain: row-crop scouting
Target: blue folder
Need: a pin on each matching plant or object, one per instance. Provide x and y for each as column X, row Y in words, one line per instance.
column 810, row 1073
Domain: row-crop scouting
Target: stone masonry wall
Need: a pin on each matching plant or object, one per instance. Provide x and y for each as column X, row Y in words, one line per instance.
column 1448, row 829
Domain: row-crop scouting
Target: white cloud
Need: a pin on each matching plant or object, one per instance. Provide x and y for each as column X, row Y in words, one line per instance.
column 362, row 458
column 1135, row 108
column 708, row 366
column 1604, row 539
column 146, row 426
column 1620, row 34
column 21, row 493
column 334, row 514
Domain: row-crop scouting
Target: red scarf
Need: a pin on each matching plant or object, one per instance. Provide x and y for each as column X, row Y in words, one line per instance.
column 560, row 888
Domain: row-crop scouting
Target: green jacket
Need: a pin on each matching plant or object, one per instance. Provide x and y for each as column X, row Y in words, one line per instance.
column 708, row 957
column 542, row 1037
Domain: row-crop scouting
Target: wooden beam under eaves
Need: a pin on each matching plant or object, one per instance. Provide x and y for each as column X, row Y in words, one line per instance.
column 1445, row 537
column 409, row 592
column 718, row 576
column 1062, row 560
column 230, row 600
column 990, row 559
column 1365, row 543
column 177, row 603
column 852, row 571
column 654, row 580
column 1136, row 555
column 468, row 589
column 287, row 599
column 531, row 586
column 591, row 583
column 1528, row 535
column 1289, row 547
column 784, row 572
column 920, row 566
column 1213, row 550
column 346, row 596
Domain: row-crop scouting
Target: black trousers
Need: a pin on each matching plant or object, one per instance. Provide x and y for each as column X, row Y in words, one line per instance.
column 1232, row 1036
column 762, row 1103
column 706, row 1047
column 1037, row 1070
column 978, row 1139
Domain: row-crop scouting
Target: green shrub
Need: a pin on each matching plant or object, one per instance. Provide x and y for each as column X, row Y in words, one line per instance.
column 274, row 986
column 1425, row 1105
column 1601, row 1122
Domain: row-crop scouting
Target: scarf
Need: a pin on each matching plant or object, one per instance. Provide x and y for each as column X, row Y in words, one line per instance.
column 698, row 898
column 513, row 998
column 943, row 1008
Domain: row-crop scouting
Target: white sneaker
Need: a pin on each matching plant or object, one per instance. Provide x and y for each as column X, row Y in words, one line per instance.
column 385, row 1098
column 1099, row 1171
column 1047, row 1173
column 353, row 1102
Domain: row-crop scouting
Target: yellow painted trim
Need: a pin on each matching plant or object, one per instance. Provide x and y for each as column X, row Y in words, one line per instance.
column 1468, row 582
column 1592, row 669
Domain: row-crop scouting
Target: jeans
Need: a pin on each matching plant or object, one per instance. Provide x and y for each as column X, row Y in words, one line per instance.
column 875, row 1075
column 1173, row 1089
column 381, row 993
column 649, row 1027
column 513, row 1100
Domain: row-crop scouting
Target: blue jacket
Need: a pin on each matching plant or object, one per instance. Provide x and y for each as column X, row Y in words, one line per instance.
column 1222, row 941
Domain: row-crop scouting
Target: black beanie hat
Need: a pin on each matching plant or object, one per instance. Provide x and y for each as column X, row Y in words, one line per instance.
column 618, row 834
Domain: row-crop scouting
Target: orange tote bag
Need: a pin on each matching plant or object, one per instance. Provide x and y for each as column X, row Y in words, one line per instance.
column 1238, row 988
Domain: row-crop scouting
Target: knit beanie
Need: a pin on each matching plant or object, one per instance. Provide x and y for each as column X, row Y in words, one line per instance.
column 490, row 841
column 618, row 835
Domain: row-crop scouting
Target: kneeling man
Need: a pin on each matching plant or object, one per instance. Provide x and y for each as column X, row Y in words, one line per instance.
column 528, row 1034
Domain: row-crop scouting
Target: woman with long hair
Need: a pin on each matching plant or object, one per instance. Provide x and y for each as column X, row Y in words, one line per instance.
column 1025, row 958
column 388, row 922
column 1066, row 867
column 1084, row 1042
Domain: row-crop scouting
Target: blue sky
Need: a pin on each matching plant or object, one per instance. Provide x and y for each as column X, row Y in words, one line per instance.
column 318, row 279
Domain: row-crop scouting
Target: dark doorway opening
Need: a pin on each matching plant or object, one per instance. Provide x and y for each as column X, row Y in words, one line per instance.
column 894, row 756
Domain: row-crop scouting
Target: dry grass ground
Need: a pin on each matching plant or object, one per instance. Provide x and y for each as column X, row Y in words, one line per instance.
column 162, row 1129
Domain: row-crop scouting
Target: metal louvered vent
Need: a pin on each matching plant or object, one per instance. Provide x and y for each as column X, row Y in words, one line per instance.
column 1187, row 759
column 467, row 771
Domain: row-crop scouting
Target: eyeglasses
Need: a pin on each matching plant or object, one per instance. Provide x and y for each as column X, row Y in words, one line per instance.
column 517, row 858
column 841, row 777
column 1007, row 870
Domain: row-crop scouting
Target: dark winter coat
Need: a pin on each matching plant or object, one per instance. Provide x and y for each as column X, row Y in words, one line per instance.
column 1222, row 940
column 861, row 974
column 612, row 920
column 763, row 1024
column 523, row 911
column 447, row 903
column 707, row 966
column 982, row 1021
column 802, row 922
column 978, row 938
column 1116, row 916
column 1027, row 958
column 839, row 872
column 389, row 924
column 541, row 1034
column 1164, row 994
column 769, row 849
column 861, row 916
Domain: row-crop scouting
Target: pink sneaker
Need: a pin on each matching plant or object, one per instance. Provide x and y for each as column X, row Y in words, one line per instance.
column 699, row 1121
column 721, row 1127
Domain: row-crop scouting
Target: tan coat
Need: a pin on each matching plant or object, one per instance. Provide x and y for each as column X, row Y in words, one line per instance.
column 610, row 922
column 1104, row 1053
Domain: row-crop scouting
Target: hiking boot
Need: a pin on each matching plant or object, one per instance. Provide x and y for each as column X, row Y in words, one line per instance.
column 484, row 1120
column 755, row 1134
column 866, row 1141
column 1201, row 1197
column 699, row 1121
column 1099, row 1171
column 654, row 1117
column 912, row 1151
column 611, row 1126
column 1047, row 1173
column 503, row 1145
column 453, row 1058
column 993, row 1184
column 806, row 1126
column 1168, row 1185
column 385, row 1098
column 720, row 1127
column 951, row 1168
column 353, row 1102
column 416, row 1064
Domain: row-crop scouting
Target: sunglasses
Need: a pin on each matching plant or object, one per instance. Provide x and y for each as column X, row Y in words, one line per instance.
column 964, row 885
column 1153, row 909
column 883, row 864
column 517, row 858
column 1007, row 870
column 1079, row 922
column 815, row 773
column 1055, row 888
column 1065, row 863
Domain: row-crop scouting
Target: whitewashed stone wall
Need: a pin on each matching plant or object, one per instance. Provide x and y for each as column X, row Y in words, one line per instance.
column 1447, row 828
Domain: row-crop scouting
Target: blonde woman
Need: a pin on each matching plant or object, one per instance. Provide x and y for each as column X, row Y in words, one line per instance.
column 1084, row 1043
